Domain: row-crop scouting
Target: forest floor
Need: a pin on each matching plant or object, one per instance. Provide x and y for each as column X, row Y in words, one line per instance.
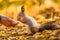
column 17, row 33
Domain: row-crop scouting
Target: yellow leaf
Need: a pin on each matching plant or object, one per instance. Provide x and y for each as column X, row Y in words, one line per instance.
column 21, row 37
column 1, row 34
column 14, row 32
column 4, row 35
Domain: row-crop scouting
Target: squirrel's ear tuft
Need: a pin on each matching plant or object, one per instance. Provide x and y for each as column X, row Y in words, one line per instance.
column 22, row 8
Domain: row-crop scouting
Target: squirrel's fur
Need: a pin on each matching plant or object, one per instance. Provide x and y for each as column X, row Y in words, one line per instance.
column 30, row 21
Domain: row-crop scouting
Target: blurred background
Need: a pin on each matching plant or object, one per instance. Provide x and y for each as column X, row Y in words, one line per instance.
column 12, row 7
column 34, row 8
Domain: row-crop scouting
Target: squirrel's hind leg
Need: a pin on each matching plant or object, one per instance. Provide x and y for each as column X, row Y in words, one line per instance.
column 28, row 30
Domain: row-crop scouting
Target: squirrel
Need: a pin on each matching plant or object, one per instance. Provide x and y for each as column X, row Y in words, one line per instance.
column 33, row 25
column 30, row 21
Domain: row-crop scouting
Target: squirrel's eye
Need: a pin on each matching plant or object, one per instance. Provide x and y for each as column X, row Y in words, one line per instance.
column 19, row 15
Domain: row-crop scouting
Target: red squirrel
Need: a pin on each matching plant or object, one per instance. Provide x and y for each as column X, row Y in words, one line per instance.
column 30, row 21
column 7, row 21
